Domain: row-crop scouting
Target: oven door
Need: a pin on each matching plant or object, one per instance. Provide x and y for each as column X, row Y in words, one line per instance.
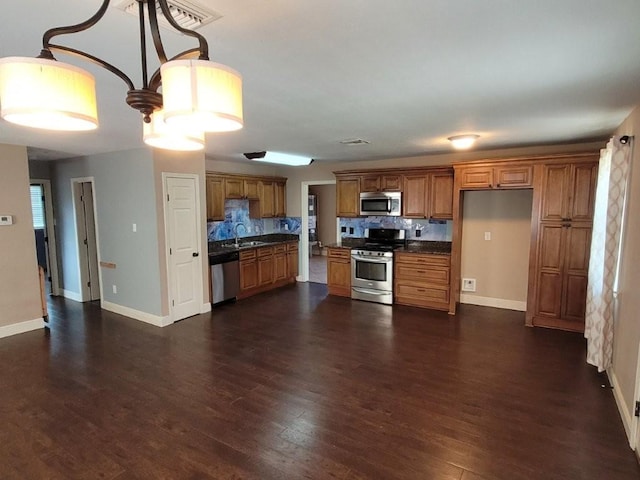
column 372, row 272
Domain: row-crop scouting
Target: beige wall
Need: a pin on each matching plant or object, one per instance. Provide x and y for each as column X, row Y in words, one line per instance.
column 326, row 197
column 627, row 327
column 19, row 281
column 500, row 265
column 179, row 162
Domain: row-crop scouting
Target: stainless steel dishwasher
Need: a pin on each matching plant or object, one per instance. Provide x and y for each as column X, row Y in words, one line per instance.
column 225, row 276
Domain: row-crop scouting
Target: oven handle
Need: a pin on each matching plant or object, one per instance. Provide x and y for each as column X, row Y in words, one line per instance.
column 372, row 259
column 370, row 292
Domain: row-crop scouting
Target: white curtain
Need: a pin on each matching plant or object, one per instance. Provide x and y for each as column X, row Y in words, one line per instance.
column 605, row 249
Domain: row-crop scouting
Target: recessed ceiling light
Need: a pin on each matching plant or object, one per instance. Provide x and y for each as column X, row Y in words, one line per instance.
column 462, row 142
column 280, row 158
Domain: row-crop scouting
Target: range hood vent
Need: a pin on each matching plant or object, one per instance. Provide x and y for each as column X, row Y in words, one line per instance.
column 188, row 14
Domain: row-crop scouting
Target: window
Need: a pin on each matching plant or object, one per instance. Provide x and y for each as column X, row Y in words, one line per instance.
column 37, row 206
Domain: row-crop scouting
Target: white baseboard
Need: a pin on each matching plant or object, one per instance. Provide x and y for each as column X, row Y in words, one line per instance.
column 22, row 327
column 493, row 302
column 206, row 307
column 625, row 412
column 156, row 320
column 71, row 295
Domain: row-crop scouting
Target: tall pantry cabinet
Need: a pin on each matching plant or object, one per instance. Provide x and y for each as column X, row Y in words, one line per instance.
column 565, row 221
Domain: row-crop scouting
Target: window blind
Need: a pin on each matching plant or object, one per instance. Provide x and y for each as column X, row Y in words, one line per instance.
column 37, row 206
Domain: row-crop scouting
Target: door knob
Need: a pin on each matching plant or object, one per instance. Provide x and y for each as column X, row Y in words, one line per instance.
column 195, row 254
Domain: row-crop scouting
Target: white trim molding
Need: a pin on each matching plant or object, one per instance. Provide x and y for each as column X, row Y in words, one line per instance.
column 625, row 412
column 493, row 302
column 22, row 327
column 75, row 296
column 145, row 317
column 206, row 308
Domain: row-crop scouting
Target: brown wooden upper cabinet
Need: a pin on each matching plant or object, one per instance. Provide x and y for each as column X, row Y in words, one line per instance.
column 348, row 197
column 569, row 192
column 492, row 176
column 428, row 195
column 266, row 195
column 241, row 188
column 215, row 198
column 280, row 199
column 381, row 183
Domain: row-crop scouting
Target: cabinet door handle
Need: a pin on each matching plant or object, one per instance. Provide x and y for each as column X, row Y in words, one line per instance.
column 498, row 185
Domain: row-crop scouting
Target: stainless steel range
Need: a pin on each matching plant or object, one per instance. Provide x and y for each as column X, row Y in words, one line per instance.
column 372, row 265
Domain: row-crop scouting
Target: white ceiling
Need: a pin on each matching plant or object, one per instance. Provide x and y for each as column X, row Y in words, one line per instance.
column 402, row 75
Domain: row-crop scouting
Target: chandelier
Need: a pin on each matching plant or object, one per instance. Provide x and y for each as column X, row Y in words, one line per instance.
column 186, row 97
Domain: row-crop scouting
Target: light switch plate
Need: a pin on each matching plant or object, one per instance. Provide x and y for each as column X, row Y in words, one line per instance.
column 6, row 219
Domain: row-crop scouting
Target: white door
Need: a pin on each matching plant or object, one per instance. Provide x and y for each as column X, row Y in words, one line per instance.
column 185, row 259
column 635, row 422
column 87, row 243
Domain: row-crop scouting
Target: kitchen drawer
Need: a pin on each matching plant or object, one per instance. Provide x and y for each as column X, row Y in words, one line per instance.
column 292, row 247
column 344, row 253
column 279, row 249
column 430, row 297
column 247, row 254
column 264, row 251
column 422, row 259
column 425, row 274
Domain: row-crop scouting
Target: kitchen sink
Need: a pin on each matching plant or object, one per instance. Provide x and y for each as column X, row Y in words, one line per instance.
column 254, row 243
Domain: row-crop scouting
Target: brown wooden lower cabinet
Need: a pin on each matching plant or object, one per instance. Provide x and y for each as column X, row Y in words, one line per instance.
column 422, row 280
column 562, row 274
column 339, row 271
column 248, row 270
column 279, row 263
column 266, row 268
column 292, row 260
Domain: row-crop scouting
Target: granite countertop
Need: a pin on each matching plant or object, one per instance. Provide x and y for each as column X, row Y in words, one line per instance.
column 433, row 248
column 221, row 247
column 411, row 246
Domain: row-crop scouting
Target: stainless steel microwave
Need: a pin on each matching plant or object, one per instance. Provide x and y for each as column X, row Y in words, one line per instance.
column 381, row 204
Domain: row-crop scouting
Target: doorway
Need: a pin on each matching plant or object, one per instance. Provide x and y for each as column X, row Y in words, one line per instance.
column 87, row 238
column 45, row 233
column 184, row 244
column 319, row 231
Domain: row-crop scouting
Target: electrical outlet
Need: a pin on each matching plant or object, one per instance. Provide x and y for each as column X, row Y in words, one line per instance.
column 134, row 228
column 418, row 232
column 468, row 284
column 115, row 289
column 487, row 235
column 343, row 229
column 350, row 230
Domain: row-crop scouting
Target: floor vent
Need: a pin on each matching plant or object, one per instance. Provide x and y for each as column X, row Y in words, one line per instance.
column 188, row 14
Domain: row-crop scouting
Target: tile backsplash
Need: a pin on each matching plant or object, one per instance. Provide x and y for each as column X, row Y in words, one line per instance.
column 430, row 230
column 236, row 212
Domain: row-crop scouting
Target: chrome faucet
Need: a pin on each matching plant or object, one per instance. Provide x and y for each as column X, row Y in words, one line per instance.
column 235, row 231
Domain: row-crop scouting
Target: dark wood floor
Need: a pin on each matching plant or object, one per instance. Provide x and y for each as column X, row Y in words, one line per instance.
column 295, row 384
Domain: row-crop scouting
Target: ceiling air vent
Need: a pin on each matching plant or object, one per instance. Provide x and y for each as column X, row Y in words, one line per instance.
column 354, row 141
column 188, row 14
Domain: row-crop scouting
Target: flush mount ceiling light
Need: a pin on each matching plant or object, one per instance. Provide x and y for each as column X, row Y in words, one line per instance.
column 463, row 142
column 280, row 158
column 197, row 95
